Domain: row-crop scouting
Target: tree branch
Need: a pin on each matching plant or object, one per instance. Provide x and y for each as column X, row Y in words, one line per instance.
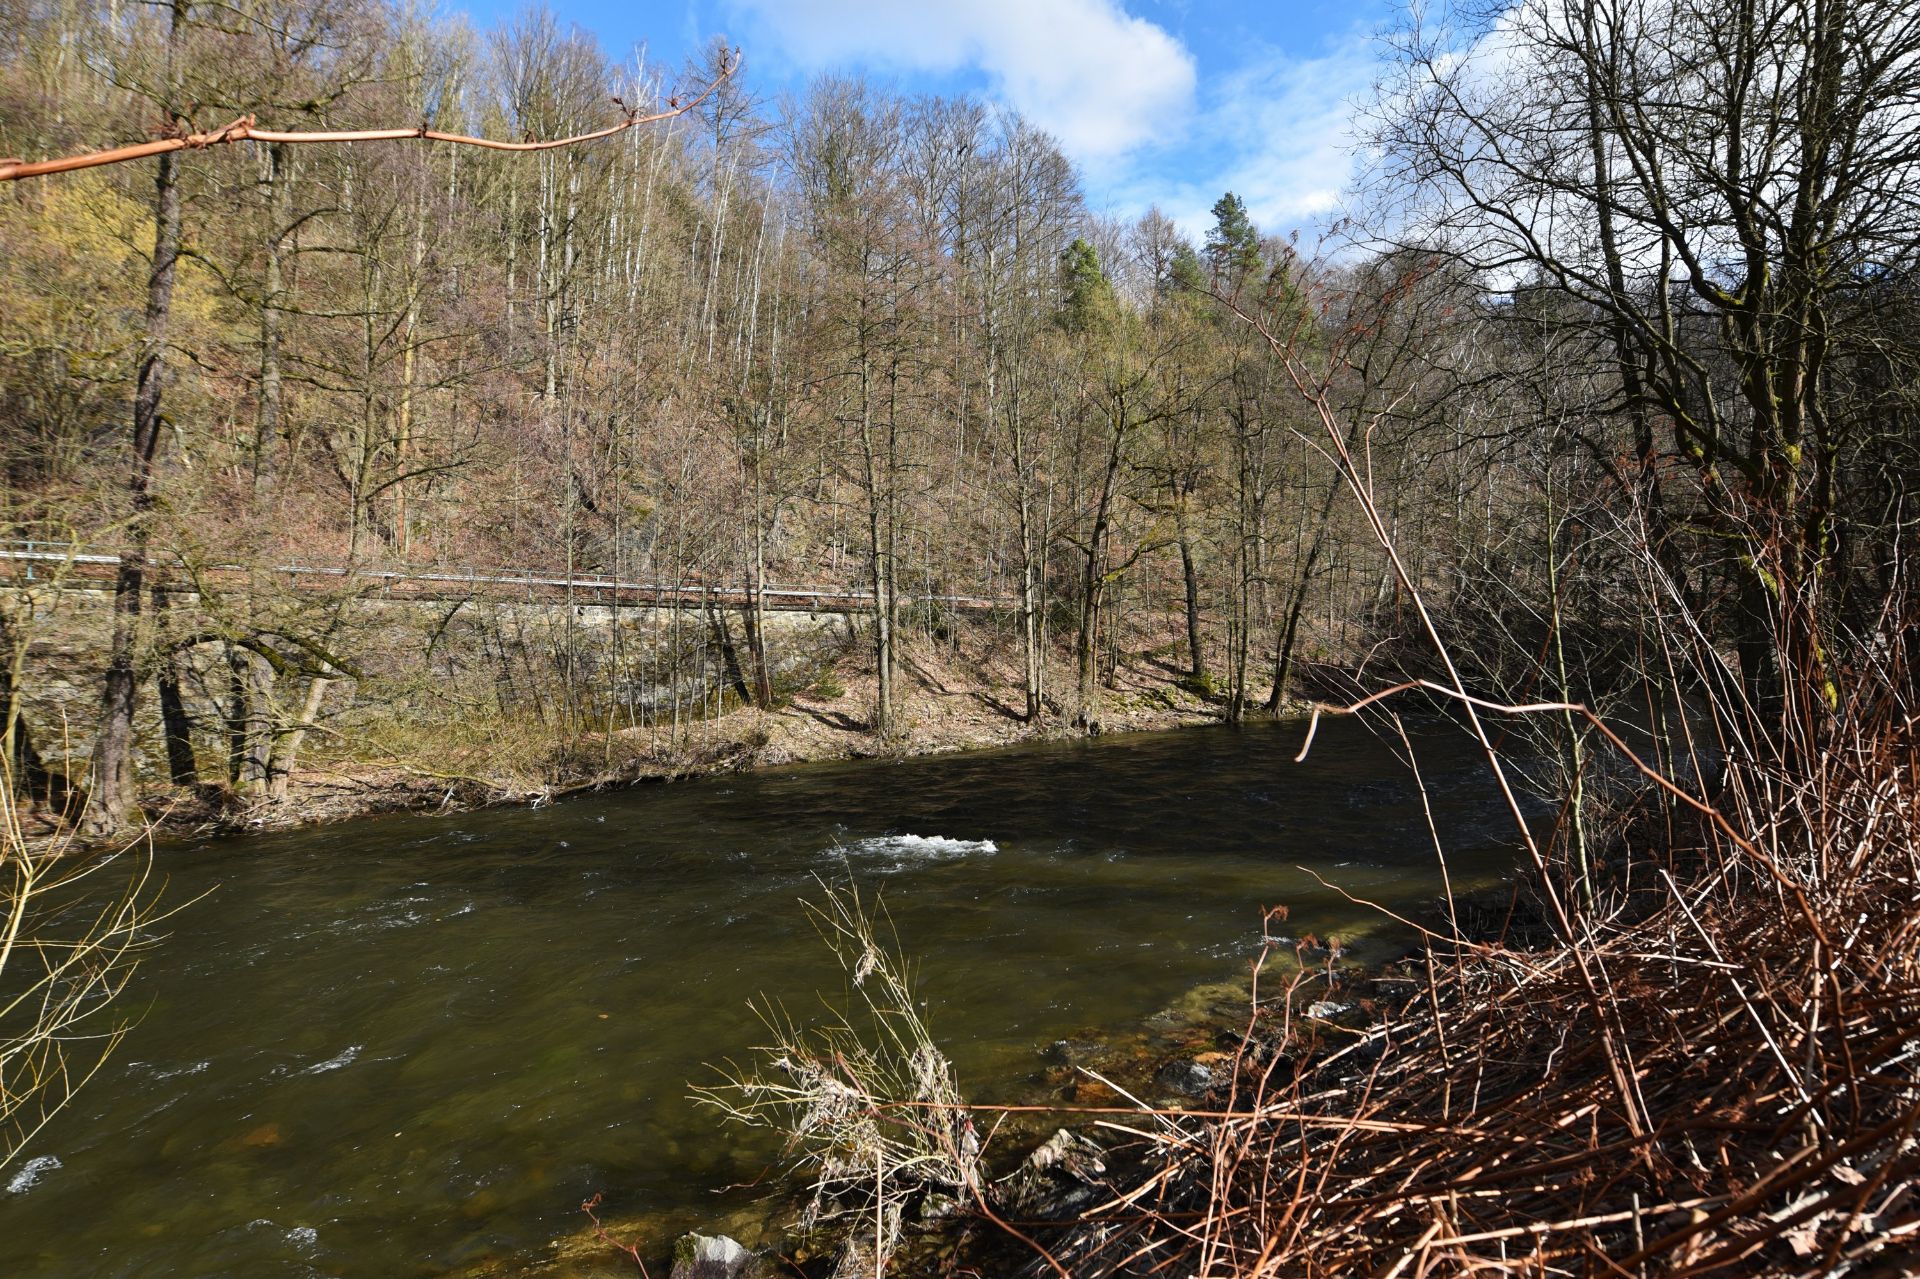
column 243, row 129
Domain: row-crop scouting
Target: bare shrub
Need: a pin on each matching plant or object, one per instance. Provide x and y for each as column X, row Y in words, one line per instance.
column 869, row 1105
column 72, row 928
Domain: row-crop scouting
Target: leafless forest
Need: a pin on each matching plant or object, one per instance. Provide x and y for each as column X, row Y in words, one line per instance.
column 834, row 341
column 1602, row 405
column 880, row 345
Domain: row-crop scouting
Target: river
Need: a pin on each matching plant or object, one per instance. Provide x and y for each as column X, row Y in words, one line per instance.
column 409, row 1045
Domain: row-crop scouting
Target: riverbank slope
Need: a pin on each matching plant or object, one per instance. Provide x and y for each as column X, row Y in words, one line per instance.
column 959, row 694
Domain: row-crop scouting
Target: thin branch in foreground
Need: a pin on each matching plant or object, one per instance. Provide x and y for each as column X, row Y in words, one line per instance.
column 245, row 129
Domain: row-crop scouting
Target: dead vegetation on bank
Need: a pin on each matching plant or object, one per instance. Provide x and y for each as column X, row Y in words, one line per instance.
column 1704, row 1061
column 1718, row 1074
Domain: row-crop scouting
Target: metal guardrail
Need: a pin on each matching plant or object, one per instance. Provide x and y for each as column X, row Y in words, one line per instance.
column 674, row 595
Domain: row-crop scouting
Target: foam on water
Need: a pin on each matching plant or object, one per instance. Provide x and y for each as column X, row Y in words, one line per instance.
column 902, row 852
column 191, row 1068
column 334, row 1063
column 30, row 1172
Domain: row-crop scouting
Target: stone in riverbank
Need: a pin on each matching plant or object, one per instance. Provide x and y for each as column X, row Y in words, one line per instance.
column 697, row 1256
column 1059, row 1179
column 1187, row 1077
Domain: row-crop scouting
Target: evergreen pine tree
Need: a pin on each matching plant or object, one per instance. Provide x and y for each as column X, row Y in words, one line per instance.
column 1185, row 274
column 1233, row 246
column 1088, row 300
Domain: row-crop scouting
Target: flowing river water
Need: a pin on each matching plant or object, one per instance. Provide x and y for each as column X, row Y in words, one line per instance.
column 410, row 1045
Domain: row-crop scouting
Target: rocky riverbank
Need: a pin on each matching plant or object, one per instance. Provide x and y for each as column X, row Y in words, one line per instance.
column 1094, row 1119
column 1058, row 1143
column 951, row 697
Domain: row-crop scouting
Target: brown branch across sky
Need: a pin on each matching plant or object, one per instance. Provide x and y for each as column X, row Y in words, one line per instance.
column 244, row 129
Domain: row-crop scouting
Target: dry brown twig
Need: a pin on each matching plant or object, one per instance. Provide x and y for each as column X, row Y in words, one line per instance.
column 66, row 954
column 245, row 129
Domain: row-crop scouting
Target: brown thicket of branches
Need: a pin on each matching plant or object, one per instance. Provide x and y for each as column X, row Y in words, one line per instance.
column 1702, row 1057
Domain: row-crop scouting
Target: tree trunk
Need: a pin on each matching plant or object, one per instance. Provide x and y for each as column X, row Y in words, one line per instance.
column 1093, row 583
column 756, row 611
column 249, row 721
column 1030, row 571
column 288, row 753
column 729, row 655
column 267, row 423
column 1297, row 599
column 1283, row 655
column 1196, row 657
column 112, row 789
column 1242, row 616
column 28, row 775
column 1030, row 606
column 878, row 576
column 1088, row 716
column 175, row 727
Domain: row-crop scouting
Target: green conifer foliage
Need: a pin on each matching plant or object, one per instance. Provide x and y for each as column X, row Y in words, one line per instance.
column 1088, row 303
column 1233, row 246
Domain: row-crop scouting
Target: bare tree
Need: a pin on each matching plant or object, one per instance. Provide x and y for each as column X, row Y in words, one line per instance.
column 1713, row 184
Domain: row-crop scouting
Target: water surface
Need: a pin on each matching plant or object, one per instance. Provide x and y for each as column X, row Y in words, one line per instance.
column 407, row 1045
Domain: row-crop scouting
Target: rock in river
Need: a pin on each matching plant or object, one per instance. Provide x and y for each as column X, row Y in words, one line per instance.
column 697, row 1256
column 1188, row 1078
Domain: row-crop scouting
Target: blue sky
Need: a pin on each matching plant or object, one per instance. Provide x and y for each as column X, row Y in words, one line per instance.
column 1166, row 102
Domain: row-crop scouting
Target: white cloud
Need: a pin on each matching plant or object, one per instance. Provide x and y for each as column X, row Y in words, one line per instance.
column 1278, row 131
column 1101, row 81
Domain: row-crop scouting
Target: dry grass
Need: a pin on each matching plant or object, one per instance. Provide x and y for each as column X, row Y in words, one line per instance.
column 837, row 1090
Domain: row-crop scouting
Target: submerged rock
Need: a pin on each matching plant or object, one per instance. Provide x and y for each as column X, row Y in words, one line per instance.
column 1188, row 1078
column 697, row 1256
column 856, row 1260
column 935, row 1206
column 1071, row 1052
